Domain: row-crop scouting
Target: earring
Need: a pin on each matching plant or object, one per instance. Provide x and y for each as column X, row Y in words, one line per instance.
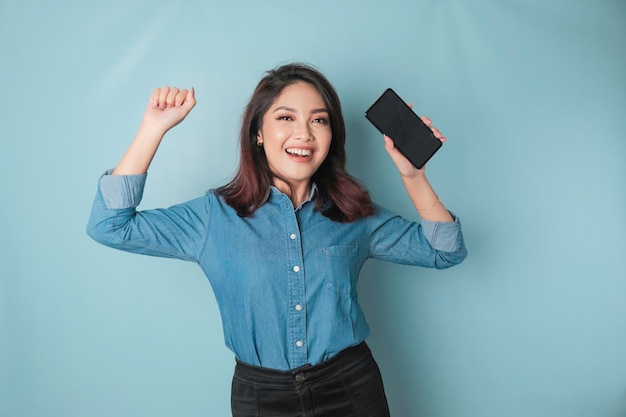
column 259, row 144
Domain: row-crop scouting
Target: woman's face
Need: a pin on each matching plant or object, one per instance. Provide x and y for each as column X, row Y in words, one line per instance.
column 296, row 134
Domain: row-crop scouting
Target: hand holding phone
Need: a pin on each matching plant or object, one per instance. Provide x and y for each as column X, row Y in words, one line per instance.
column 394, row 118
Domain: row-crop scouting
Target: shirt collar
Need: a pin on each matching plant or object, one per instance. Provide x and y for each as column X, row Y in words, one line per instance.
column 312, row 195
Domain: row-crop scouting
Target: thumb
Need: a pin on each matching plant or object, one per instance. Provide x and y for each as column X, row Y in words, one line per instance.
column 389, row 145
column 190, row 100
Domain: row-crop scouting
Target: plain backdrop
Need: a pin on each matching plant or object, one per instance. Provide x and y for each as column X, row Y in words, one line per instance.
column 530, row 93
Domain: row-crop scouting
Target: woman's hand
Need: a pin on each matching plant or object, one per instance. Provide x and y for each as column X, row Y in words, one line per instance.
column 168, row 107
column 424, row 198
column 406, row 168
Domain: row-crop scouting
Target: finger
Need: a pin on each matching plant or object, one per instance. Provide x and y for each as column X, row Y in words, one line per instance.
column 437, row 133
column 180, row 97
column 165, row 90
column 426, row 120
column 154, row 98
column 411, row 105
column 171, row 96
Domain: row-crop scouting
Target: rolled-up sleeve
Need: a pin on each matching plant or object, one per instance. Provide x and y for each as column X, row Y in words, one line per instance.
column 121, row 191
column 431, row 244
column 443, row 236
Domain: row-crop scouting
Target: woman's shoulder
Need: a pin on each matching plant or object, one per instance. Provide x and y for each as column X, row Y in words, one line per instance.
column 381, row 211
column 217, row 203
column 213, row 197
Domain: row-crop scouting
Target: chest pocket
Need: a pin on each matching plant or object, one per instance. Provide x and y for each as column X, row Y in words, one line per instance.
column 341, row 270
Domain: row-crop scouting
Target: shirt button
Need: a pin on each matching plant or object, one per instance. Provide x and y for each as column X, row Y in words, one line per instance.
column 292, row 236
column 296, row 268
column 299, row 343
column 298, row 307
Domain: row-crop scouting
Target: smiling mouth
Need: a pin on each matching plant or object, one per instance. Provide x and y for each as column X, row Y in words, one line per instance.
column 299, row 152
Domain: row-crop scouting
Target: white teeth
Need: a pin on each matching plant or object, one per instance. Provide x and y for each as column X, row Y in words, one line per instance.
column 300, row 152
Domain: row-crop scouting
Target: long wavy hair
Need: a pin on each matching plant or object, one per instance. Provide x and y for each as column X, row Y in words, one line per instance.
column 340, row 196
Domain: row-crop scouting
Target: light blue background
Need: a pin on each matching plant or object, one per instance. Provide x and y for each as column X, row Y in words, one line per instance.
column 531, row 94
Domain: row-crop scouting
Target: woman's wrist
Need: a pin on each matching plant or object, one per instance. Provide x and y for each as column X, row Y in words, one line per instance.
column 151, row 130
column 418, row 178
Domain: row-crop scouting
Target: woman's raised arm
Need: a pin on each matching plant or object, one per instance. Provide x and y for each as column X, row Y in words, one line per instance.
column 167, row 108
column 424, row 198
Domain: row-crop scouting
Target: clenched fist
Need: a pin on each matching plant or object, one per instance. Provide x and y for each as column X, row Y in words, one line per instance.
column 168, row 107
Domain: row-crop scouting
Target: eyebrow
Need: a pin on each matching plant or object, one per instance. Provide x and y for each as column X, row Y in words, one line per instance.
column 291, row 109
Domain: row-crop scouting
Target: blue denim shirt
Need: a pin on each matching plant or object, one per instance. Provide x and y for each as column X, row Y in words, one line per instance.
column 285, row 280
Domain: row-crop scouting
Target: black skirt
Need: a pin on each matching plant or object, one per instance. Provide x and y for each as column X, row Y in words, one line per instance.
column 347, row 385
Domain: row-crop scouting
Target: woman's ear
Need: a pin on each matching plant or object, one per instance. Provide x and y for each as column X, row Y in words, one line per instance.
column 259, row 139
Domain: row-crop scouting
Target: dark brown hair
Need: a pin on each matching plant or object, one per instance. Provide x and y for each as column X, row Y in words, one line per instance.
column 340, row 196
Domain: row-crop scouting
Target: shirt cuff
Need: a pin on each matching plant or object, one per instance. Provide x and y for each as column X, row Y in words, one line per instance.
column 121, row 191
column 442, row 236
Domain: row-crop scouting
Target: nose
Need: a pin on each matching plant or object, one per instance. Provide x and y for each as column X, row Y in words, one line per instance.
column 303, row 131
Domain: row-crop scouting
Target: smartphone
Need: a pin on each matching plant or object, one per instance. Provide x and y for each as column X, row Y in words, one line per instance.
column 394, row 118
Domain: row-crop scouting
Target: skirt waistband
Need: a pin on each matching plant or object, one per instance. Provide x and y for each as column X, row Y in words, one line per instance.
column 344, row 359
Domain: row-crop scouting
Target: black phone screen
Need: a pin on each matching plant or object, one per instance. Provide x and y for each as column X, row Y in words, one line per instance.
column 394, row 118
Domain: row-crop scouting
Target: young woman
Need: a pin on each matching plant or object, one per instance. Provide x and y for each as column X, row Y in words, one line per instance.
column 282, row 244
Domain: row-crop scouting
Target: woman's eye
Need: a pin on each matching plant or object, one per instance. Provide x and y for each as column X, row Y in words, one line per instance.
column 284, row 118
column 321, row 120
